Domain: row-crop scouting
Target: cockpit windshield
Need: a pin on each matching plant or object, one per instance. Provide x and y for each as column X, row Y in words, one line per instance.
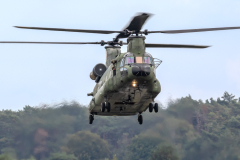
column 147, row 60
column 129, row 60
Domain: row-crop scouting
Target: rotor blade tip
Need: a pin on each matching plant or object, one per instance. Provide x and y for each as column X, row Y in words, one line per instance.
column 144, row 13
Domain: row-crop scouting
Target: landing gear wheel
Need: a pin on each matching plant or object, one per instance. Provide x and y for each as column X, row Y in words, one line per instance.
column 103, row 107
column 140, row 119
column 150, row 107
column 108, row 106
column 91, row 119
column 156, row 107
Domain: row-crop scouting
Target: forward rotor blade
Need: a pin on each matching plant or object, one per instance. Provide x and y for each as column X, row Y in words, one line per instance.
column 194, row 30
column 71, row 30
column 135, row 24
column 102, row 43
column 50, row 42
column 138, row 21
column 174, row 46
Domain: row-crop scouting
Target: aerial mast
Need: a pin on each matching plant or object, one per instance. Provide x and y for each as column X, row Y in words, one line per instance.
column 136, row 45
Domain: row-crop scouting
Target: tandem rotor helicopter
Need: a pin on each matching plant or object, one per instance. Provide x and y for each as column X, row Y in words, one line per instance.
column 126, row 84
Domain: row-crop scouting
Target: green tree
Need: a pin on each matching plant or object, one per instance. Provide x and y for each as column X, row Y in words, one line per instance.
column 165, row 152
column 31, row 158
column 142, row 147
column 87, row 146
column 6, row 157
column 228, row 97
column 115, row 157
column 61, row 156
column 199, row 130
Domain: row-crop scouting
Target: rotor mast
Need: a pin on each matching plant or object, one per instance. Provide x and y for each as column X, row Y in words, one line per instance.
column 136, row 45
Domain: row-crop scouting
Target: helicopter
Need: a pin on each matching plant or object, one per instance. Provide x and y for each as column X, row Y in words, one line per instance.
column 126, row 84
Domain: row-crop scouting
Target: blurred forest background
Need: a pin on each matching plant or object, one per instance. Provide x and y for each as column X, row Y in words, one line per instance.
column 187, row 129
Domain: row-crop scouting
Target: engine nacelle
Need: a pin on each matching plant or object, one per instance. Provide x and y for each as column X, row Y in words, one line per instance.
column 98, row 71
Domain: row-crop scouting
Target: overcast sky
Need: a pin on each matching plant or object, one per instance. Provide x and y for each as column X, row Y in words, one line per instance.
column 33, row 74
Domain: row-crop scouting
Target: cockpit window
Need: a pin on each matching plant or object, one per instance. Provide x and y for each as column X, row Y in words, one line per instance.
column 129, row 60
column 147, row 60
column 139, row 60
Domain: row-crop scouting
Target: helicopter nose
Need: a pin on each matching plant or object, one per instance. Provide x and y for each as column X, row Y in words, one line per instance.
column 141, row 69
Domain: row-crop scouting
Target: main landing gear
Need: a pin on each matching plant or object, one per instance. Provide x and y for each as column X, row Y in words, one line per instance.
column 105, row 105
column 140, row 119
column 91, row 118
column 152, row 107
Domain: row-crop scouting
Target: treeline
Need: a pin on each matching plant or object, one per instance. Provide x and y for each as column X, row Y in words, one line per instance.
column 188, row 129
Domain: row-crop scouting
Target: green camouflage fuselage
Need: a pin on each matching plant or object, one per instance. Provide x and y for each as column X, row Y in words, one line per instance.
column 124, row 89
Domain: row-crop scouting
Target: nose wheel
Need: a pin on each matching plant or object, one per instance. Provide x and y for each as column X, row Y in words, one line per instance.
column 105, row 105
column 152, row 107
column 108, row 107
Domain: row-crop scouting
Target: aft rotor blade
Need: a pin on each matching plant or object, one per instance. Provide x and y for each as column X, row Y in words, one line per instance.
column 174, row 46
column 194, row 30
column 51, row 42
column 135, row 24
column 71, row 30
